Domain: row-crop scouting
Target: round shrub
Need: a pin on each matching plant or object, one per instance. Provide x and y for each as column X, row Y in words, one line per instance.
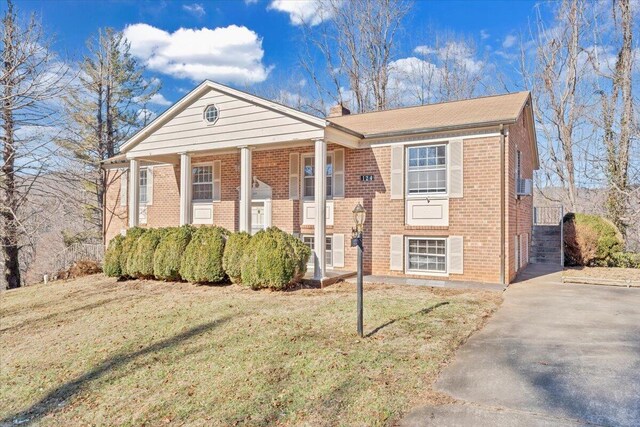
column 302, row 254
column 140, row 261
column 269, row 260
column 128, row 247
column 202, row 259
column 233, row 251
column 625, row 260
column 168, row 256
column 112, row 257
column 590, row 239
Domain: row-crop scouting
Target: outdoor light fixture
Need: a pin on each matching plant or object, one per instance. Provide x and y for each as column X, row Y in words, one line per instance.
column 359, row 215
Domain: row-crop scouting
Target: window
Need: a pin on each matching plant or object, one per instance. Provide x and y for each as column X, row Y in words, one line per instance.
column 428, row 255
column 202, row 183
column 308, row 240
column 308, row 174
column 143, row 196
column 427, row 169
column 211, row 114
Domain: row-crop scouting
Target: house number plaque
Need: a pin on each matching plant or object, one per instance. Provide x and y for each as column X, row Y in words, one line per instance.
column 366, row 178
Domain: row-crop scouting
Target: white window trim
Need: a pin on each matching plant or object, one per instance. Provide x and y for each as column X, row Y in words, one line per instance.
column 426, row 272
column 444, row 195
column 146, row 171
column 302, row 176
column 204, row 115
column 328, row 236
column 200, row 164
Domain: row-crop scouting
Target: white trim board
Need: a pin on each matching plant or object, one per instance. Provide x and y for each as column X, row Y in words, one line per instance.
column 423, row 140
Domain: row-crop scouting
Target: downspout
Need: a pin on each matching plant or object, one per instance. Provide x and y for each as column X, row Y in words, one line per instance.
column 502, row 207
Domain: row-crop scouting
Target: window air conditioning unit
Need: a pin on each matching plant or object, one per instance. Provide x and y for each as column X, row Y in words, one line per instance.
column 525, row 187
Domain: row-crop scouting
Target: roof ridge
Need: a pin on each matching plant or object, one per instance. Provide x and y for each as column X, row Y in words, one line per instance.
column 431, row 105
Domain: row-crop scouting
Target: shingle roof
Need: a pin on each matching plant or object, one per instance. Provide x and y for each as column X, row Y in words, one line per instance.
column 468, row 112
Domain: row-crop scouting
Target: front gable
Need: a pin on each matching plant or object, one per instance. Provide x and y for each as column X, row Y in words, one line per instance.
column 243, row 119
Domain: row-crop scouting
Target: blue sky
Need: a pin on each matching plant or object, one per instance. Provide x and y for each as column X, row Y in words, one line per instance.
column 270, row 48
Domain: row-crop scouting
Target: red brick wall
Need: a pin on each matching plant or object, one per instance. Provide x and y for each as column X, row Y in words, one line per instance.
column 475, row 216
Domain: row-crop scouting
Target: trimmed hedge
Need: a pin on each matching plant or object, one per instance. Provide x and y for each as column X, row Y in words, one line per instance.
column 168, row 256
column 590, row 240
column 302, row 253
column 233, row 252
column 271, row 260
column 111, row 265
column 128, row 247
column 140, row 261
column 202, row 259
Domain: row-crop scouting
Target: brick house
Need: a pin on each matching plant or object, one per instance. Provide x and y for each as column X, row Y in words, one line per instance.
column 447, row 187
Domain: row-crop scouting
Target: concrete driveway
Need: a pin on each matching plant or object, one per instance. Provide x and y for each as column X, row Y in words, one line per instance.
column 553, row 354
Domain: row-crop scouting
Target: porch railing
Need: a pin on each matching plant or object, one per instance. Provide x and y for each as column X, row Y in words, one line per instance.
column 77, row 252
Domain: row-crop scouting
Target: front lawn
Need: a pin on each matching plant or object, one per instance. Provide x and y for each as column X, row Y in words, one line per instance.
column 97, row 351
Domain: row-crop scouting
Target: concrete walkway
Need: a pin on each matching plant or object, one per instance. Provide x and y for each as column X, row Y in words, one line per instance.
column 553, row 354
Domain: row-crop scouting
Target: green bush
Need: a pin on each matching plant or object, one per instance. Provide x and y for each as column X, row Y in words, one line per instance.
column 168, row 256
column 140, row 261
column 590, row 239
column 128, row 247
column 302, row 253
column 233, row 251
column 270, row 260
column 112, row 257
column 202, row 259
column 625, row 260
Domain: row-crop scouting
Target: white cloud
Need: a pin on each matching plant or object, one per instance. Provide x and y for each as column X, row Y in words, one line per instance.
column 458, row 52
column 195, row 9
column 159, row 99
column 311, row 12
column 230, row 54
column 424, row 50
column 484, row 34
column 247, row 2
column 509, row 41
column 145, row 116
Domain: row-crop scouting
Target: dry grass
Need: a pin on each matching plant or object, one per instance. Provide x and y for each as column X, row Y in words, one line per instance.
column 615, row 273
column 96, row 351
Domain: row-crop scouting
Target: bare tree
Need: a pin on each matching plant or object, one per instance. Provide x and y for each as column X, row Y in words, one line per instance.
column 106, row 106
column 32, row 80
column 446, row 67
column 560, row 93
column 356, row 45
column 617, row 116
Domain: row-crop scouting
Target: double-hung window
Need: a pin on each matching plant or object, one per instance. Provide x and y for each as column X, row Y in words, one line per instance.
column 427, row 255
column 427, row 169
column 142, row 192
column 308, row 240
column 308, row 174
column 202, row 182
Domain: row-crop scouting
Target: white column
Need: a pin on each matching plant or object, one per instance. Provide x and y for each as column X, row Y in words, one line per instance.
column 245, row 189
column 320, row 190
column 185, row 188
column 134, row 193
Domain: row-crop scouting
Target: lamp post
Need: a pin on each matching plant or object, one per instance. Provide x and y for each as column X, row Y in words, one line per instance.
column 359, row 215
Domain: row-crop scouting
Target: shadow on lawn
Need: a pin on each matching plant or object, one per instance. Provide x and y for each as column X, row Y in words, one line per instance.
column 56, row 397
column 391, row 322
column 50, row 316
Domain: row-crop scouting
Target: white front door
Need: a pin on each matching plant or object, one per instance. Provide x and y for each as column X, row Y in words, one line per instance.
column 257, row 217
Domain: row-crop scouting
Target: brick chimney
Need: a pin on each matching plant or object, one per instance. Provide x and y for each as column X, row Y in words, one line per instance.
column 339, row 111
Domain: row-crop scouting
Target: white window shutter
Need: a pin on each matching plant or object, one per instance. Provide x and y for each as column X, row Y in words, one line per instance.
column 294, row 176
column 217, row 181
column 338, row 250
column 123, row 187
column 338, row 173
column 396, row 257
column 456, row 163
column 397, row 172
column 149, row 185
column 455, row 254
